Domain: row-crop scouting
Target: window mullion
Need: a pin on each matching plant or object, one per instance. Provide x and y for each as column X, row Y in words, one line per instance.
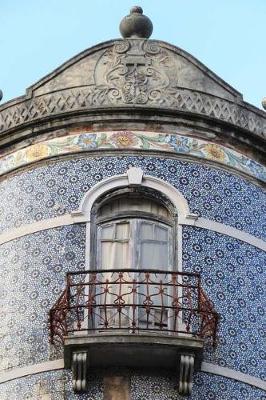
column 134, row 243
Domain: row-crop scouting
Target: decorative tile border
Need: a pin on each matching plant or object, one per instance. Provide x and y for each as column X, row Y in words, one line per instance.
column 142, row 140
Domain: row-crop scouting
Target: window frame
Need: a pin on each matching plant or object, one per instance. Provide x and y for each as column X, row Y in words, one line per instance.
column 150, row 194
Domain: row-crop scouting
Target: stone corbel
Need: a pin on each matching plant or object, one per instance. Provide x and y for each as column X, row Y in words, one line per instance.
column 79, row 371
column 186, row 369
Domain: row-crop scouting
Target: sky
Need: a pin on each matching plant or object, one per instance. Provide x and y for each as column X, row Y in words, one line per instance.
column 228, row 36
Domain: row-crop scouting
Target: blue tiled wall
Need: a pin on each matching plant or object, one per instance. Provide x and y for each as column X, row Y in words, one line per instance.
column 57, row 384
column 233, row 275
column 206, row 387
column 55, row 189
column 32, row 268
column 32, row 275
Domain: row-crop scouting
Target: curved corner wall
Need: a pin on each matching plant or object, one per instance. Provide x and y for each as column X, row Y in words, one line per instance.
column 33, row 264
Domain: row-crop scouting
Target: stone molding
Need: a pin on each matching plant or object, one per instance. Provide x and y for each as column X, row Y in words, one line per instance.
column 228, row 230
column 233, row 374
column 145, row 74
column 59, row 103
column 18, row 373
column 133, row 176
column 209, row 368
column 119, row 181
column 76, row 218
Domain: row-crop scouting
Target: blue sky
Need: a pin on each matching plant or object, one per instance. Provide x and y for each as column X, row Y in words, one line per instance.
column 228, row 36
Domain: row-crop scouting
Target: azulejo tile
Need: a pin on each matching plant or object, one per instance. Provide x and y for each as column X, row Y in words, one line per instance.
column 53, row 385
column 206, row 387
column 56, row 385
column 141, row 140
column 232, row 274
column 33, row 268
column 58, row 188
column 32, row 275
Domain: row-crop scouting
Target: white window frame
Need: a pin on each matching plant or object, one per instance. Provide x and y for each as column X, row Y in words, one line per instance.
column 135, row 177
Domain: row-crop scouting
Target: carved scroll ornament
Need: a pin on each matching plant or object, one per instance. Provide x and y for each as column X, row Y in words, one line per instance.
column 132, row 72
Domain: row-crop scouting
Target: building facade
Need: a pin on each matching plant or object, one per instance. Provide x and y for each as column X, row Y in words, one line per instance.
column 132, row 230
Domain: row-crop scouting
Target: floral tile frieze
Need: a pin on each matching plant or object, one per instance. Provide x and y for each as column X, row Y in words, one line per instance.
column 142, row 140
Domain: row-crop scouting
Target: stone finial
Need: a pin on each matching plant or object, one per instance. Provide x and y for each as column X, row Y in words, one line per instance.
column 264, row 103
column 1, row 94
column 136, row 24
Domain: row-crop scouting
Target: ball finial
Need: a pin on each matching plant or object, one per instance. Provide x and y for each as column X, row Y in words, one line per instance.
column 136, row 25
column 264, row 103
column 136, row 9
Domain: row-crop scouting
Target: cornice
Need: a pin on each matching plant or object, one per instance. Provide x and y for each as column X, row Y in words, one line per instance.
column 163, row 80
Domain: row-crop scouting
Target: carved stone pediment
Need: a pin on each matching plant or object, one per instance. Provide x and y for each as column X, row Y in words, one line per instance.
column 136, row 71
column 132, row 73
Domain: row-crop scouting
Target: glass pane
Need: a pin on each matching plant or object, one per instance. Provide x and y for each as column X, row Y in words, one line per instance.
column 122, row 231
column 121, row 258
column 114, row 255
column 107, row 232
column 106, row 261
column 161, row 233
column 154, row 255
column 146, row 231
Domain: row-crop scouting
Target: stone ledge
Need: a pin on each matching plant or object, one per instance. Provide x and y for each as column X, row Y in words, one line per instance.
column 133, row 350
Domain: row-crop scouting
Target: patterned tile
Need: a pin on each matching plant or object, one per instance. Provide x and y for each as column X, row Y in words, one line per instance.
column 58, row 188
column 54, row 385
column 76, row 142
column 233, row 276
column 206, row 387
column 32, row 272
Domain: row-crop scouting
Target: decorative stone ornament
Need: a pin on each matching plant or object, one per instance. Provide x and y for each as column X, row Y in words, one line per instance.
column 264, row 103
column 186, row 368
column 79, row 366
column 1, row 95
column 136, row 25
column 79, row 371
column 135, row 176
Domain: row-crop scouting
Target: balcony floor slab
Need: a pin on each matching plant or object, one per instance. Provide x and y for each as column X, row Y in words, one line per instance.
column 145, row 350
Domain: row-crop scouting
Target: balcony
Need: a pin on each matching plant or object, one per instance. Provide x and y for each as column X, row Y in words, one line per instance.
column 133, row 318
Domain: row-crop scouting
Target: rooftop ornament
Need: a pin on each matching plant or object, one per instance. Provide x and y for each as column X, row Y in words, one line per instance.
column 1, row 95
column 136, row 25
column 264, row 103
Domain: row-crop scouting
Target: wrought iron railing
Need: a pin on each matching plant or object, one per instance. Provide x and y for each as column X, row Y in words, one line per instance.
column 133, row 301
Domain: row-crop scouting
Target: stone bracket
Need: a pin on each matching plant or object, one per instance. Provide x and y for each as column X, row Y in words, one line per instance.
column 186, row 369
column 101, row 350
column 79, row 370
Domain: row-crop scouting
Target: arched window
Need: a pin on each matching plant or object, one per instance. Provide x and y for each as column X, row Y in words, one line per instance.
column 133, row 229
